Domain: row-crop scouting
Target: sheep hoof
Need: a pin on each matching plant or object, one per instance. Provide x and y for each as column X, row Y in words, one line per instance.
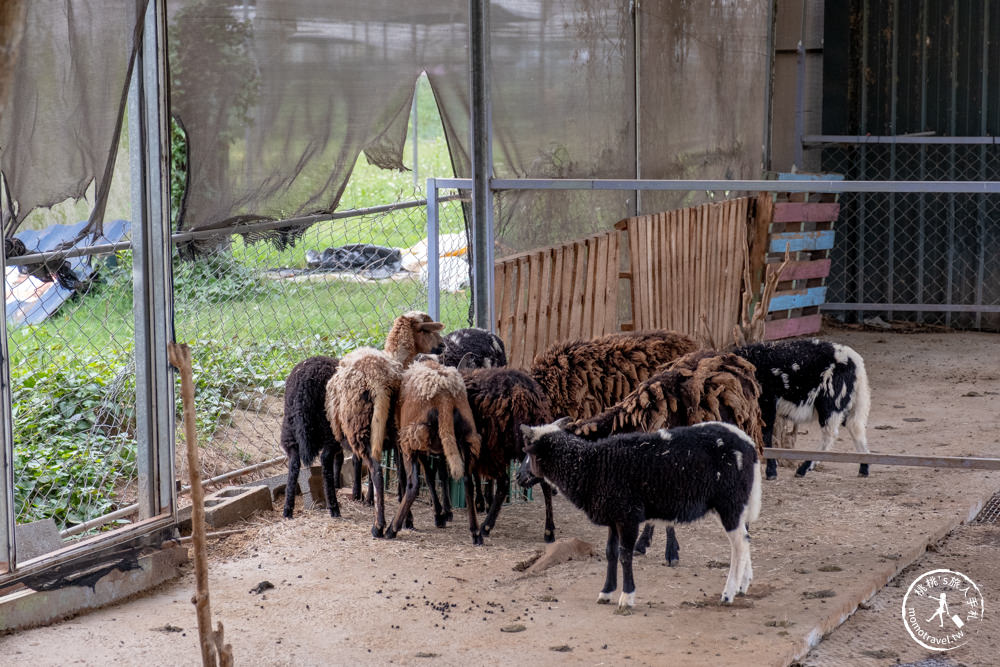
column 550, row 536
column 287, row 514
column 408, row 524
column 485, row 531
column 639, row 549
column 449, row 516
column 771, row 476
column 726, row 599
column 335, row 512
column 863, row 470
column 480, row 506
column 672, row 562
column 477, row 539
column 603, row 598
column 379, row 532
column 440, row 521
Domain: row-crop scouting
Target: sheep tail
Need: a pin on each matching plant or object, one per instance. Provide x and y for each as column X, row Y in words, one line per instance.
column 380, row 420
column 755, row 489
column 446, row 431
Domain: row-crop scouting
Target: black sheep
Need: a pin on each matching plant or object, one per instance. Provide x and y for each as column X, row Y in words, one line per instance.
column 306, row 432
column 802, row 378
column 675, row 475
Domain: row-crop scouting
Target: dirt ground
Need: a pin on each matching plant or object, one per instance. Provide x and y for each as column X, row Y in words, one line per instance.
column 823, row 545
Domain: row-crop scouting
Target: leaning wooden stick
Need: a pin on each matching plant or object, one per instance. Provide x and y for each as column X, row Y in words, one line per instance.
column 211, row 642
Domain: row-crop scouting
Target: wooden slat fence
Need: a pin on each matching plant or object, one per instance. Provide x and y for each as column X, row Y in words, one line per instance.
column 688, row 263
column 557, row 293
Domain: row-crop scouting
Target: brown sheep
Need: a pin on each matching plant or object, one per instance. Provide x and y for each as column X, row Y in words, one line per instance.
column 359, row 400
column 583, row 378
column 503, row 399
column 434, row 417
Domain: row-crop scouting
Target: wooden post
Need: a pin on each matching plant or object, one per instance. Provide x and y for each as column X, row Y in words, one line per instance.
column 211, row 642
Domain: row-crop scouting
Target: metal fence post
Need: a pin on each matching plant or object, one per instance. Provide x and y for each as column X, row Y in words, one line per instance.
column 149, row 154
column 7, row 509
column 433, row 253
column 482, row 165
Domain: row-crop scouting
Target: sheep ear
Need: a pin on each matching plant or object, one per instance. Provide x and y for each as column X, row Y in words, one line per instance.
column 528, row 440
column 562, row 422
column 430, row 326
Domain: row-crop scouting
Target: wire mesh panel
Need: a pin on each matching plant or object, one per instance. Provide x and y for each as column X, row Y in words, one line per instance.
column 72, row 367
column 931, row 251
column 251, row 311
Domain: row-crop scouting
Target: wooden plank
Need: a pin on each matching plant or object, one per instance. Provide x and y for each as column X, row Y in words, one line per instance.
column 802, row 270
column 803, row 212
column 792, row 326
column 951, row 462
column 600, row 272
column 634, row 253
column 520, row 306
column 812, row 296
column 611, row 294
column 799, row 241
column 677, row 278
column 579, row 277
column 558, row 311
column 545, row 310
column 534, row 294
column 590, row 284
column 498, row 290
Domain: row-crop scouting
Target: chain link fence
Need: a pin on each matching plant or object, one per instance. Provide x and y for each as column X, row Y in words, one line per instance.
column 249, row 311
column 933, row 252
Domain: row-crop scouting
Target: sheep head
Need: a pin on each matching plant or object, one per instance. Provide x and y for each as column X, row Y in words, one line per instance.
column 414, row 333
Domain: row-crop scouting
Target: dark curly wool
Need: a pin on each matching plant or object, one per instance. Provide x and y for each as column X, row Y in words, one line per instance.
column 502, row 399
column 305, row 429
column 677, row 475
column 584, row 378
column 473, row 348
column 802, row 378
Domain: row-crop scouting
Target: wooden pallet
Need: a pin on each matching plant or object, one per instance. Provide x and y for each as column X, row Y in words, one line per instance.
column 804, row 224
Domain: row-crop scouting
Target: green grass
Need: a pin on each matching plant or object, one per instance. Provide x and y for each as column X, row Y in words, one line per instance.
column 73, row 376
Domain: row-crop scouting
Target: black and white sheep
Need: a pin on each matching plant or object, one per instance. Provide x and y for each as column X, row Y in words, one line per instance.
column 676, row 475
column 802, row 378
column 306, row 432
column 473, row 348
column 503, row 399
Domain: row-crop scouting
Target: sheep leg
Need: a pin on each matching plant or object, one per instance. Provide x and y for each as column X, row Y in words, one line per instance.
column 412, row 484
column 401, row 481
column 434, row 471
column 739, row 560
column 829, row 427
column 550, row 526
column 496, row 502
column 477, row 538
column 480, row 498
column 442, row 474
column 611, row 578
column 645, row 539
column 628, row 532
column 768, row 413
column 673, row 551
column 292, row 485
column 375, row 480
column 358, row 472
column 331, row 460
column 857, row 432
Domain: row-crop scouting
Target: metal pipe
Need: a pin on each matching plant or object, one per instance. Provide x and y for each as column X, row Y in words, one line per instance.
column 949, row 278
column 482, row 163
column 225, row 477
column 983, row 126
column 102, row 249
column 921, row 199
column 915, row 138
column 990, row 187
column 637, row 94
column 960, row 462
column 8, row 522
column 893, row 125
column 433, row 253
column 913, row 307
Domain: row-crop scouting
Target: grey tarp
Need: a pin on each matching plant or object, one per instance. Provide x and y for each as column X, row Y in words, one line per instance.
column 279, row 97
column 60, row 129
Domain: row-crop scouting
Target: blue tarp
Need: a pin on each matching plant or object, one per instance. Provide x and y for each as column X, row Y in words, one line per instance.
column 30, row 300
